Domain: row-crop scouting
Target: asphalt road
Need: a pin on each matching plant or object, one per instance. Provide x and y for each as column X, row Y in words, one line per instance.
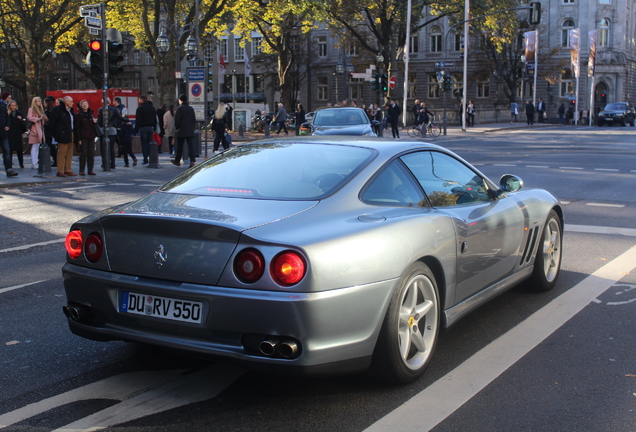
column 520, row 363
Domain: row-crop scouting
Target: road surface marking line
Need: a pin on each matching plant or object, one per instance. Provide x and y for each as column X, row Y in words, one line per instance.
column 197, row 387
column 4, row 290
column 605, row 205
column 630, row 232
column 17, row 248
column 442, row 398
column 537, row 166
column 502, row 164
column 571, row 168
column 606, row 169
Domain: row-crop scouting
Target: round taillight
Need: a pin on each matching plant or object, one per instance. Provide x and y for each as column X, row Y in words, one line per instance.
column 288, row 268
column 93, row 247
column 73, row 243
column 249, row 265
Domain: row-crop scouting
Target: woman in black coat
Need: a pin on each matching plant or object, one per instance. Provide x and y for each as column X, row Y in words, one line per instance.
column 219, row 126
column 17, row 127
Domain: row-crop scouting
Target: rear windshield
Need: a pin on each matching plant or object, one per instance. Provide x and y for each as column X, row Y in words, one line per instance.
column 616, row 107
column 293, row 171
column 340, row 117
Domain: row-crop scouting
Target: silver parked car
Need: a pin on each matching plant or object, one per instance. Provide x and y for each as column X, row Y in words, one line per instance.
column 341, row 121
column 311, row 254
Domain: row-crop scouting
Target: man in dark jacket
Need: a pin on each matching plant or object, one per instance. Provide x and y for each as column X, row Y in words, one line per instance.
column 184, row 123
column 7, row 156
column 530, row 112
column 145, row 124
column 113, row 125
column 394, row 118
column 62, row 124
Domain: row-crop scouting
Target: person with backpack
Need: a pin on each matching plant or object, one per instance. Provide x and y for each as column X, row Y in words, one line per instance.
column 219, row 126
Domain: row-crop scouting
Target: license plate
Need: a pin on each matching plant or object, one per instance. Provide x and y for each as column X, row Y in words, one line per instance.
column 161, row 307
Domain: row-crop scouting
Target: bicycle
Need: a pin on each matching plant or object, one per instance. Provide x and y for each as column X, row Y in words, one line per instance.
column 420, row 131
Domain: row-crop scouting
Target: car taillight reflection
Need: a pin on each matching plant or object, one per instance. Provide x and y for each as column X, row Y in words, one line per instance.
column 73, row 243
column 249, row 265
column 288, row 268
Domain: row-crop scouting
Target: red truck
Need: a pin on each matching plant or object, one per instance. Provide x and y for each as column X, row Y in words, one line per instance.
column 94, row 98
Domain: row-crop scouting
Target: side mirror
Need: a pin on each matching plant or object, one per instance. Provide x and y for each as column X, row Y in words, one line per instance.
column 510, row 183
column 375, row 122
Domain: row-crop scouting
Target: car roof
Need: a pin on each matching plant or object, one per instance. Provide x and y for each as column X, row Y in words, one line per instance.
column 381, row 144
column 339, row 107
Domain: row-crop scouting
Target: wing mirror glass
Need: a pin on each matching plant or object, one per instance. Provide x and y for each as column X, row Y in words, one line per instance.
column 510, row 183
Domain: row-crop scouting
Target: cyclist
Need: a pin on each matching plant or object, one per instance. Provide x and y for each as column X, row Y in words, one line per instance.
column 424, row 115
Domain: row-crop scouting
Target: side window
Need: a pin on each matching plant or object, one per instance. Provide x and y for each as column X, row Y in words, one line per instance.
column 445, row 180
column 394, row 186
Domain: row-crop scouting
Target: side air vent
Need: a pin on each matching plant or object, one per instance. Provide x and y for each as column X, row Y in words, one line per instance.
column 530, row 244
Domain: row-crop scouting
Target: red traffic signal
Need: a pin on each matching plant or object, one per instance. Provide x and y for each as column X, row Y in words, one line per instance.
column 95, row 45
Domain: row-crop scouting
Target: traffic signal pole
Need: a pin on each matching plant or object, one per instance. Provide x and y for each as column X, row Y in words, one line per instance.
column 104, row 144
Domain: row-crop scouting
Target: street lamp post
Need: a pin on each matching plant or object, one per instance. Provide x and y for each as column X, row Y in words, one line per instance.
column 379, row 59
column 163, row 46
column 345, row 68
column 233, row 90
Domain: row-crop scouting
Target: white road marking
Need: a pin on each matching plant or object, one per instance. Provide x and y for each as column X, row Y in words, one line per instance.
column 604, row 205
column 571, row 168
column 24, row 247
column 502, row 164
column 441, row 399
column 4, row 290
column 537, row 166
column 140, row 394
column 630, row 232
column 606, row 169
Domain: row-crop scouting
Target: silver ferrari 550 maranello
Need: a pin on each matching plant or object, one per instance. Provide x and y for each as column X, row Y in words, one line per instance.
column 313, row 254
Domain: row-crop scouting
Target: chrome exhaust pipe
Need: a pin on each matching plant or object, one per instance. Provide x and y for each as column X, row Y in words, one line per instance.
column 67, row 311
column 268, row 347
column 75, row 312
column 287, row 349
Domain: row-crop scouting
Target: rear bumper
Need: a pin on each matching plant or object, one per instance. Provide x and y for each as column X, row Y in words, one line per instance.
column 337, row 329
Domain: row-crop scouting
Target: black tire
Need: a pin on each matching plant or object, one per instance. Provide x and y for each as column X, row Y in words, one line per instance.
column 547, row 263
column 410, row 329
column 414, row 132
column 434, row 130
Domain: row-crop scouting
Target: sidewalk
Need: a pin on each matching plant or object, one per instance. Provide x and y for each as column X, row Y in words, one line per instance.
column 168, row 170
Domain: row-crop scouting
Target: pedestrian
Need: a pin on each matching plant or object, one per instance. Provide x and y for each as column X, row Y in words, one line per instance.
column 569, row 115
column 36, row 135
column 184, row 122
column 17, row 127
column 219, row 126
column 49, row 104
column 7, row 158
column 470, row 114
column 415, row 111
column 540, row 110
column 514, row 111
column 281, row 118
column 424, row 115
column 145, row 122
column 62, row 121
column 561, row 113
column 168, row 126
column 394, row 117
column 126, row 135
column 162, row 131
column 228, row 116
column 113, row 125
column 300, row 117
column 530, row 112
column 85, row 135
column 123, row 111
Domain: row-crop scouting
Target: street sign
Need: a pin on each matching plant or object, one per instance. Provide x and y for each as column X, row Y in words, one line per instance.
column 443, row 64
column 93, row 31
column 359, row 75
column 392, row 82
column 92, row 22
column 89, row 10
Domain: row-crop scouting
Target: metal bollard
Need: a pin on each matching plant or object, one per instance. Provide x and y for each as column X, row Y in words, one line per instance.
column 153, row 155
column 266, row 129
column 44, row 165
column 241, row 130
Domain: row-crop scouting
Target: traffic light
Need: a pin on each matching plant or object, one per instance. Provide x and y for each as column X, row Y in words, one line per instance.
column 95, row 58
column 384, row 83
column 603, row 98
column 448, row 82
column 374, row 83
column 535, row 13
column 115, row 57
column 210, row 80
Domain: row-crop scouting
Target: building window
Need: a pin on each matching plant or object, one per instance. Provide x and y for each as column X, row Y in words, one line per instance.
column 137, row 83
column 151, row 84
column 414, row 45
column 568, row 2
column 148, row 58
column 323, row 88
column 433, row 86
column 436, row 39
column 136, row 58
column 483, row 89
column 351, row 48
column 239, row 51
column 458, row 46
column 125, row 61
column 603, row 32
column 223, row 49
column 605, row 1
column 322, row 46
column 568, row 25
column 208, row 52
column 567, row 84
column 257, row 46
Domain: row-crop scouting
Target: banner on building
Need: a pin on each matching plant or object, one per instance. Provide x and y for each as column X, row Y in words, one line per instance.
column 592, row 62
column 221, row 69
column 574, row 51
column 530, row 39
